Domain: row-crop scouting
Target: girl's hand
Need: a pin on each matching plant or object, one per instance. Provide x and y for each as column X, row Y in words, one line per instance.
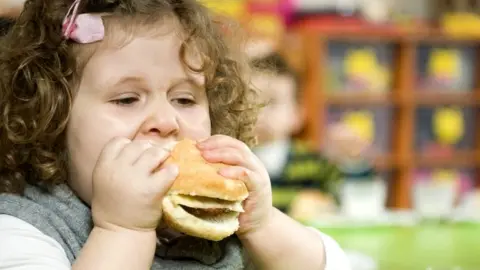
column 247, row 167
column 128, row 187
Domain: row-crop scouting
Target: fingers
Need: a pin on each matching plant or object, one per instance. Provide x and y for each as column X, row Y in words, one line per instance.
column 113, row 148
column 227, row 150
column 131, row 152
column 222, row 141
column 163, row 179
column 233, row 156
column 230, row 156
column 151, row 159
column 239, row 173
column 141, row 154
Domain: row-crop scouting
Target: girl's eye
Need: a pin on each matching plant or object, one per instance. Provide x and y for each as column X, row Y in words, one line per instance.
column 125, row 101
column 184, row 101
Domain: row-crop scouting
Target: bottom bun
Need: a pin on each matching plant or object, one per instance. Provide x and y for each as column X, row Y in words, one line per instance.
column 211, row 228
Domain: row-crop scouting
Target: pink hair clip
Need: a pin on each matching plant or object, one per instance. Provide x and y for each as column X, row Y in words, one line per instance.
column 82, row 28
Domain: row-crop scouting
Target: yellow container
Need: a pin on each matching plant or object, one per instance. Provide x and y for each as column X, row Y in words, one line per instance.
column 461, row 24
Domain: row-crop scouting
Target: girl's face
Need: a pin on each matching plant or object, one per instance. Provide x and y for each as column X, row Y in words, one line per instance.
column 140, row 91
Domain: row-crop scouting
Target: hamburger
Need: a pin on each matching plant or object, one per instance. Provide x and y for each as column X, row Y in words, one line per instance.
column 201, row 202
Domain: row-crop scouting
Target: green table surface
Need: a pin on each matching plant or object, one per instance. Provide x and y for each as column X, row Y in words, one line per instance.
column 440, row 246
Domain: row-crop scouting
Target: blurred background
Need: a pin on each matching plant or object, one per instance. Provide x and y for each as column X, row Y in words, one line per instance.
column 398, row 83
column 404, row 75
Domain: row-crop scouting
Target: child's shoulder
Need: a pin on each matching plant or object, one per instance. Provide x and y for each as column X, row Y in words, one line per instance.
column 12, row 226
column 23, row 244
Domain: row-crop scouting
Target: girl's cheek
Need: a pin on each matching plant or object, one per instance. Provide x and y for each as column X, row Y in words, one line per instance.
column 195, row 123
column 122, row 124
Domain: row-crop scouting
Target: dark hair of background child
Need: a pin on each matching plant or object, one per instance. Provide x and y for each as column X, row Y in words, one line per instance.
column 275, row 64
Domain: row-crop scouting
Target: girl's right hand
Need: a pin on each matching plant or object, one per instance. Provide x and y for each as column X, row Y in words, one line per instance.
column 128, row 187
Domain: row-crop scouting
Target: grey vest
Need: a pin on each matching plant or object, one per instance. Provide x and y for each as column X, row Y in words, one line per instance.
column 62, row 216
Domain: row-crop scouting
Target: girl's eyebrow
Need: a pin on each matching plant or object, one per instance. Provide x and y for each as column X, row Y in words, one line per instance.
column 116, row 81
column 188, row 81
column 139, row 80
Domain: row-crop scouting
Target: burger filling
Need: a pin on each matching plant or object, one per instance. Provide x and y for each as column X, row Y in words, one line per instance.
column 207, row 208
column 207, row 212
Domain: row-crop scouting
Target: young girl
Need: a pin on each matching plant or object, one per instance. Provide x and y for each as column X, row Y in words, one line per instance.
column 91, row 95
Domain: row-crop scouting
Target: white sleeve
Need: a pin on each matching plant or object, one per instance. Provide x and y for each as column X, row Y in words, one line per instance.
column 335, row 257
column 22, row 247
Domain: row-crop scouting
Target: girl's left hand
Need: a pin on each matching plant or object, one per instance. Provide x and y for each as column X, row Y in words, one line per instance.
column 247, row 167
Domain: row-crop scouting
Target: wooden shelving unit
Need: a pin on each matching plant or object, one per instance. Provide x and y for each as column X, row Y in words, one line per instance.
column 404, row 98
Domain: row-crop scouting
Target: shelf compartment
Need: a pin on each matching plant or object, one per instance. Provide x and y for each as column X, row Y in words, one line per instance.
column 358, row 68
column 442, row 130
column 445, row 68
column 371, row 122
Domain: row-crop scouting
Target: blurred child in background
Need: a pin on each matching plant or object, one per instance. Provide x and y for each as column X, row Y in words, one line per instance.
column 303, row 180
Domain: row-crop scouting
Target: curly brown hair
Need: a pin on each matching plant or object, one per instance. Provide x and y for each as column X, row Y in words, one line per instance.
column 40, row 70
